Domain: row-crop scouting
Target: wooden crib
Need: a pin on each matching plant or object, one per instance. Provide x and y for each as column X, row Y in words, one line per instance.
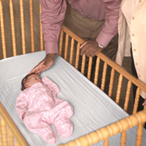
column 19, row 40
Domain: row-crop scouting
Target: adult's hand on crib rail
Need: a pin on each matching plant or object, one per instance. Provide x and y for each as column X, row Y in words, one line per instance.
column 46, row 63
column 90, row 48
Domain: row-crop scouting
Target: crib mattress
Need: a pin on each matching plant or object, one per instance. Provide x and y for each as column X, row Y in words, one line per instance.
column 93, row 109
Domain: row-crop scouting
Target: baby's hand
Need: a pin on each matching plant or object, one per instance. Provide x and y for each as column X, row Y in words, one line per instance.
column 23, row 116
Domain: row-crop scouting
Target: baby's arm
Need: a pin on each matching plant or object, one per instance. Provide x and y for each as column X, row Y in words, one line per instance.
column 21, row 105
column 51, row 84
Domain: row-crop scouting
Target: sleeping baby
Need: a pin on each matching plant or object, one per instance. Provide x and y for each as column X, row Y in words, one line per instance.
column 39, row 108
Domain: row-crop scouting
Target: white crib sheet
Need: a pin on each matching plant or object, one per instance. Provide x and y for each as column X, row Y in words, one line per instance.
column 92, row 108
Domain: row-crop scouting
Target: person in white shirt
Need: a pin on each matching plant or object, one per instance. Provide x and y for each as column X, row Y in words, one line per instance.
column 132, row 35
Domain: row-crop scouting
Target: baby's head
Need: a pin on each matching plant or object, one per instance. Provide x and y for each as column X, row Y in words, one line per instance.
column 29, row 80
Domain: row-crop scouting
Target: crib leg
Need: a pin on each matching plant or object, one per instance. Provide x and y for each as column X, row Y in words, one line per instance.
column 139, row 135
column 106, row 142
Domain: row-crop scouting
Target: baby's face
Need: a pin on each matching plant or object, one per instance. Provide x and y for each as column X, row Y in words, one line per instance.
column 32, row 79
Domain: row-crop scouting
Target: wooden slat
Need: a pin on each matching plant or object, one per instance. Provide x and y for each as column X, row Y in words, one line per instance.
column 136, row 100
column 127, row 96
column 13, row 28
column 106, row 142
column 41, row 33
column 66, row 46
column 4, row 133
column 1, row 131
column 123, row 138
column 31, row 25
column 2, row 31
column 111, row 82
column 22, row 27
column 7, row 120
column 71, row 51
column 103, row 76
column 10, row 138
column 139, row 135
column 83, row 64
column 89, row 68
column 96, row 71
column 119, row 88
column 77, row 56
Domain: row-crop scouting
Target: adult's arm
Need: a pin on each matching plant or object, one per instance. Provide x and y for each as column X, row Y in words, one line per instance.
column 110, row 27
column 52, row 16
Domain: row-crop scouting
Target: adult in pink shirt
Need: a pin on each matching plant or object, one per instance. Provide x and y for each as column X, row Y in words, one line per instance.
column 100, row 16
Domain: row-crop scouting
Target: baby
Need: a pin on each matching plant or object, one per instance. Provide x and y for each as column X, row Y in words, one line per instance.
column 38, row 107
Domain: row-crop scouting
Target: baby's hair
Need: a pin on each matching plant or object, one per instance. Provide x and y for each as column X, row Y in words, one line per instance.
column 23, row 81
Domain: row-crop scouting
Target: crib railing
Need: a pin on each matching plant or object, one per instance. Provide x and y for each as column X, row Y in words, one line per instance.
column 24, row 35
column 9, row 134
column 106, row 132
column 21, row 32
column 20, row 29
column 72, row 41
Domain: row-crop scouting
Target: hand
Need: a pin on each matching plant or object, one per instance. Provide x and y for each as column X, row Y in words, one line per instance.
column 144, row 103
column 46, row 63
column 90, row 48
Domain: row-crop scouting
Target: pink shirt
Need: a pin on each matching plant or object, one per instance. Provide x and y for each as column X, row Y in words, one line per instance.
column 53, row 14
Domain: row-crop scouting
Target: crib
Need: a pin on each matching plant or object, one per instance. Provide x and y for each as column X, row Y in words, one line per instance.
column 27, row 38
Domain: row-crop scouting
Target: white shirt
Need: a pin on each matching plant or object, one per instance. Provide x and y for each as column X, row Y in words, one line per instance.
column 128, row 13
column 132, row 28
